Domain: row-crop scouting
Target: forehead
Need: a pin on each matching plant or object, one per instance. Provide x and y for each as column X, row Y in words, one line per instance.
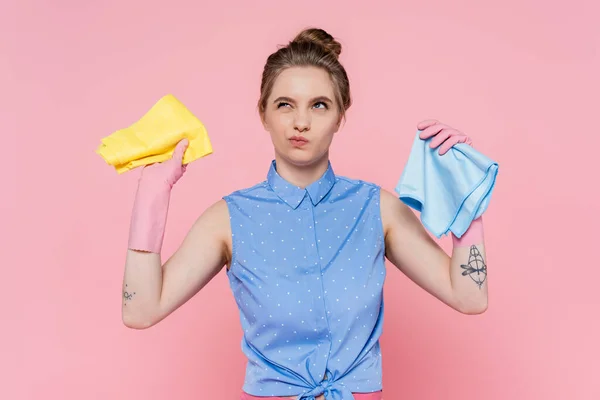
column 303, row 83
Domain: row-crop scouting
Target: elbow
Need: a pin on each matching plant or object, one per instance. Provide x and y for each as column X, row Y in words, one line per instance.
column 470, row 305
column 137, row 325
column 136, row 322
column 473, row 309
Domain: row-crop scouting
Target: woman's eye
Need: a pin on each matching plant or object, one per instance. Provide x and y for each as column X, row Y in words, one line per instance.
column 320, row 104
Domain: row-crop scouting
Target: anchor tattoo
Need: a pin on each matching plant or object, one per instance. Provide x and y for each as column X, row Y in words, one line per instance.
column 475, row 268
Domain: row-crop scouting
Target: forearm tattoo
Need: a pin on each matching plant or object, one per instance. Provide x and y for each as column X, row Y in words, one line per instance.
column 127, row 295
column 475, row 267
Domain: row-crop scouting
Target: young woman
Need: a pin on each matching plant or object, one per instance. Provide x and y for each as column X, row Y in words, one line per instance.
column 304, row 249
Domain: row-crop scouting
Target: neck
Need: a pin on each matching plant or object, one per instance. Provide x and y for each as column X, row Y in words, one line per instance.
column 301, row 175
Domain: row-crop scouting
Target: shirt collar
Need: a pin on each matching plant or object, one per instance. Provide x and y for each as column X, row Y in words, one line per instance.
column 293, row 195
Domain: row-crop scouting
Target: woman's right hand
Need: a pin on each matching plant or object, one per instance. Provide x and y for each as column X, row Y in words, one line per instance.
column 150, row 208
column 169, row 171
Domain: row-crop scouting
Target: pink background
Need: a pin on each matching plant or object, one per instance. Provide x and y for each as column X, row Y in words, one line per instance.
column 520, row 77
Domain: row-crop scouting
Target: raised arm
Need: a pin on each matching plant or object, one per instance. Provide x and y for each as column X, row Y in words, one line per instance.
column 459, row 281
column 152, row 291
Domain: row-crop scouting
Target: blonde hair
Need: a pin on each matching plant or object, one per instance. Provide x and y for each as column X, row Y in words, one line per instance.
column 312, row 47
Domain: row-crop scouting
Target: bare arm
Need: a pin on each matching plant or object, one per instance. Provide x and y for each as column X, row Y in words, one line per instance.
column 410, row 248
column 152, row 291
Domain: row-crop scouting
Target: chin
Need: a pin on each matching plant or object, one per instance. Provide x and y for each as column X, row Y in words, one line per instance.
column 301, row 158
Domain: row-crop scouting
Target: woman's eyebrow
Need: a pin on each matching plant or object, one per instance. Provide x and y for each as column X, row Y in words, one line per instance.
column 314, row 100
column 323, row 99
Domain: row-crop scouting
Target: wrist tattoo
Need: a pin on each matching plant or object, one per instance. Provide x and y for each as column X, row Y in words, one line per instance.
column 475, row 267
column 127, row 295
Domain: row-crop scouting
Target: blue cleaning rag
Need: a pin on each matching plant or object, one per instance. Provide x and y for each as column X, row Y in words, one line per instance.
column 449, row 191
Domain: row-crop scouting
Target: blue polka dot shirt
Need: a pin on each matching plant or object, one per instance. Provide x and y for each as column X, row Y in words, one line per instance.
column 307, row 274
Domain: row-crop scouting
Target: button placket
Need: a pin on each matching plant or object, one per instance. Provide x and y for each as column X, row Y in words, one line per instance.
column 319, row 300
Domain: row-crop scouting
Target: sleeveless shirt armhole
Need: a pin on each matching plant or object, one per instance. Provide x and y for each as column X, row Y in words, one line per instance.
column 230, row 206
column 380, row 224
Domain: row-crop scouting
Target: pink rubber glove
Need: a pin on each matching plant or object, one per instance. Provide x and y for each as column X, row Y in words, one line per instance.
column 151, row 205
column 443, row 134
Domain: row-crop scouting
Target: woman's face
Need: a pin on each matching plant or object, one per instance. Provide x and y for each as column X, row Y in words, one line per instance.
column 301, row 115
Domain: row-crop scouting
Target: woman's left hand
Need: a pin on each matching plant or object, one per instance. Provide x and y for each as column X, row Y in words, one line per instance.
column 444, row 135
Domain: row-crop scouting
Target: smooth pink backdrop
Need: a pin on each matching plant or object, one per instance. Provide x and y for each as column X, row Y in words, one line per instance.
column 520, row 77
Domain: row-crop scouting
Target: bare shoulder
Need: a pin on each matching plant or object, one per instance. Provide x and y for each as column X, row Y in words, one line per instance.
column 216, row 216
column 213, row 227
column 394, row 212
column 390, row 202
column 388, row 199
column 217, row 211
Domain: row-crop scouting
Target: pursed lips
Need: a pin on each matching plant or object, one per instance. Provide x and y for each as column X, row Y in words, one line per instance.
column 298, row 141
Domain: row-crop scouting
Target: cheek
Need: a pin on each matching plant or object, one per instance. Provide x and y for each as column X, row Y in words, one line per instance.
column 328, row 125
column 279, row 122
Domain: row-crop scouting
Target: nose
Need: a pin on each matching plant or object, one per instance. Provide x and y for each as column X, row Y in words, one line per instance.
column 302, row 121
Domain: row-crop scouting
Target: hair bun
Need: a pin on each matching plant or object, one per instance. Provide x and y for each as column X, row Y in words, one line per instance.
column 321, row 38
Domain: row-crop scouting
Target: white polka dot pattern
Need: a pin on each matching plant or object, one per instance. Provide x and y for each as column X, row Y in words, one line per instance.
column 307, row 275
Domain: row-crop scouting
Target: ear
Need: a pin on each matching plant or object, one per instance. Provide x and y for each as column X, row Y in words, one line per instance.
column 263, row 120
column 339, row 122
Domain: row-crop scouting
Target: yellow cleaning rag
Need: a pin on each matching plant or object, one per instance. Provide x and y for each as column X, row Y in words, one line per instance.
column 154, row 137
